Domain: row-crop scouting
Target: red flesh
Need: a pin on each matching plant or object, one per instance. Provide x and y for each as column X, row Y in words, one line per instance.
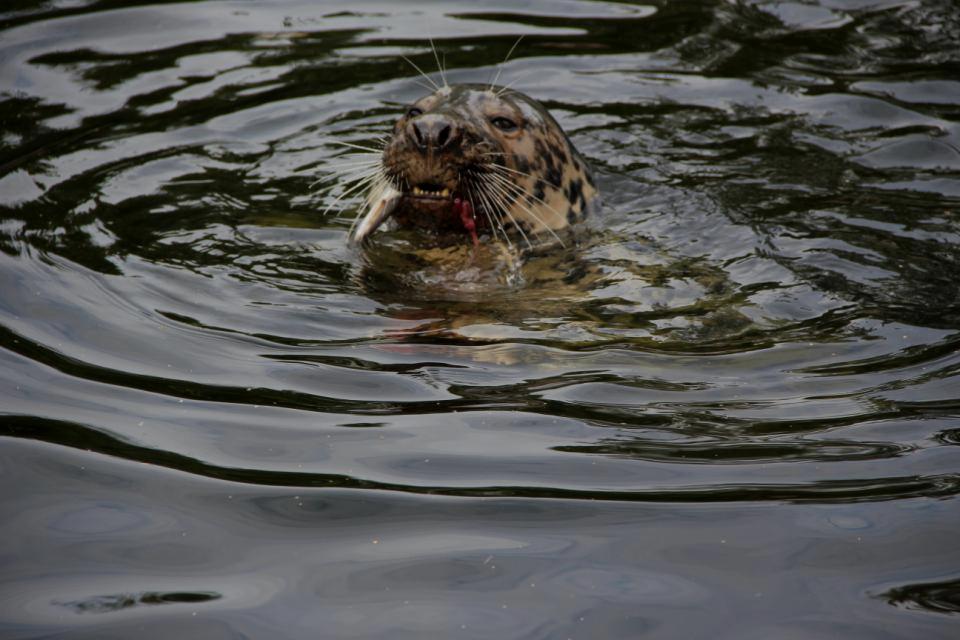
column 464, row 209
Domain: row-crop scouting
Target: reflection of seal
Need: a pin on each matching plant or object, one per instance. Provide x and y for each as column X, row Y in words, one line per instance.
column 475, row 158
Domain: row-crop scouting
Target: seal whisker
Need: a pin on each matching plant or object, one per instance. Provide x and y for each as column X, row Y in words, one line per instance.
column 486, row 207
column 505, row 179
column 503, row 200
column 350, row 162
column 353, row 161
column 500, row 66
column 364, row 182
column 356, row 156
column 349, row 169
column 340, row 179
column 362, row 147
column 343, row 172
column 425, row 86
column 372, row 162
column 499, row 167
column 439, row 65
column 353, row 190
column 493, row 203
column 521, row 194
column 358, row 159
column 352, row 166
column 489, row 209
column 367, row 150
column 494, row 208
column 357, row 146
column 510, row 84
column 497, row 203
column 505, row 196
column 436, row 87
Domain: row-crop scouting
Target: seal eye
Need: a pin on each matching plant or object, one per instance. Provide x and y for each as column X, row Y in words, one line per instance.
column 504, row 124
column 414, row 112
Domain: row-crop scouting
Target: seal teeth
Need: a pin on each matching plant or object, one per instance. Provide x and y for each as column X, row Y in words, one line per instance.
column 430, row 190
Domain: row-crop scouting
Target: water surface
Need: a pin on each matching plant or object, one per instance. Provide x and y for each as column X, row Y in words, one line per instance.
column 732, row 410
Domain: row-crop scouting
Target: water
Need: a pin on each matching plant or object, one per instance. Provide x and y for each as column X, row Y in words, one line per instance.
column 731, row 411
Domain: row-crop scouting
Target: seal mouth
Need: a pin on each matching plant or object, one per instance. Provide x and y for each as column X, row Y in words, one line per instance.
column 425, row 204
column 437, row 205
column 429, row 191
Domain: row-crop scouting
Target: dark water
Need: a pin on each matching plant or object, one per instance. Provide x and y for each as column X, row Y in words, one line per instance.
column 733, row 411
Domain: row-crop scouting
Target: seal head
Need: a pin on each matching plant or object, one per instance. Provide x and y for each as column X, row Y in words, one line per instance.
column 479, row 159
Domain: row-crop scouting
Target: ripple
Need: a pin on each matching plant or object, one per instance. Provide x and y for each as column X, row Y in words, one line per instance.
column 725, row 452
column 825, row 491
column 936, row 597
column 117, row 602
column 731, row 399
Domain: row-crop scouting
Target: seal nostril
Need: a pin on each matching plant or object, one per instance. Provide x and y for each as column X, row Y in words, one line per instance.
column 444, row 136
column 432, row 132
column 418, row 134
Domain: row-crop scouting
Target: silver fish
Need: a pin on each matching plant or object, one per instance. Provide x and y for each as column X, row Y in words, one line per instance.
column 381, row 205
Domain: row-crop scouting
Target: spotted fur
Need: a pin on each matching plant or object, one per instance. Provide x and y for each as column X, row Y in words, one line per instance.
column 493, row 147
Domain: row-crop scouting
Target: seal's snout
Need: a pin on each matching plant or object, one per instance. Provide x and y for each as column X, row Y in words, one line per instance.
column 433, row 132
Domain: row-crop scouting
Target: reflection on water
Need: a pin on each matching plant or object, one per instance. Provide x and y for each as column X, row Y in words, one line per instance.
column 939, row 597
column 729, row 407
column 107, row 604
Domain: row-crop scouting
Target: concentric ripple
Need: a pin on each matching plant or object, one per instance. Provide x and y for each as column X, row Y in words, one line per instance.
column 730, row 409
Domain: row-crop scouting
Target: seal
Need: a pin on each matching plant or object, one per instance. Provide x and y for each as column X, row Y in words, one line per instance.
column 472, row 160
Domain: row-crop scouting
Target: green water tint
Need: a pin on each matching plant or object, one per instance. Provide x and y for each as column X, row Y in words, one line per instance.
column 727, row 407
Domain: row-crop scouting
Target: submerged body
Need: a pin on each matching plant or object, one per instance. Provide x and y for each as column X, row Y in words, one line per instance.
column 474, row 159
